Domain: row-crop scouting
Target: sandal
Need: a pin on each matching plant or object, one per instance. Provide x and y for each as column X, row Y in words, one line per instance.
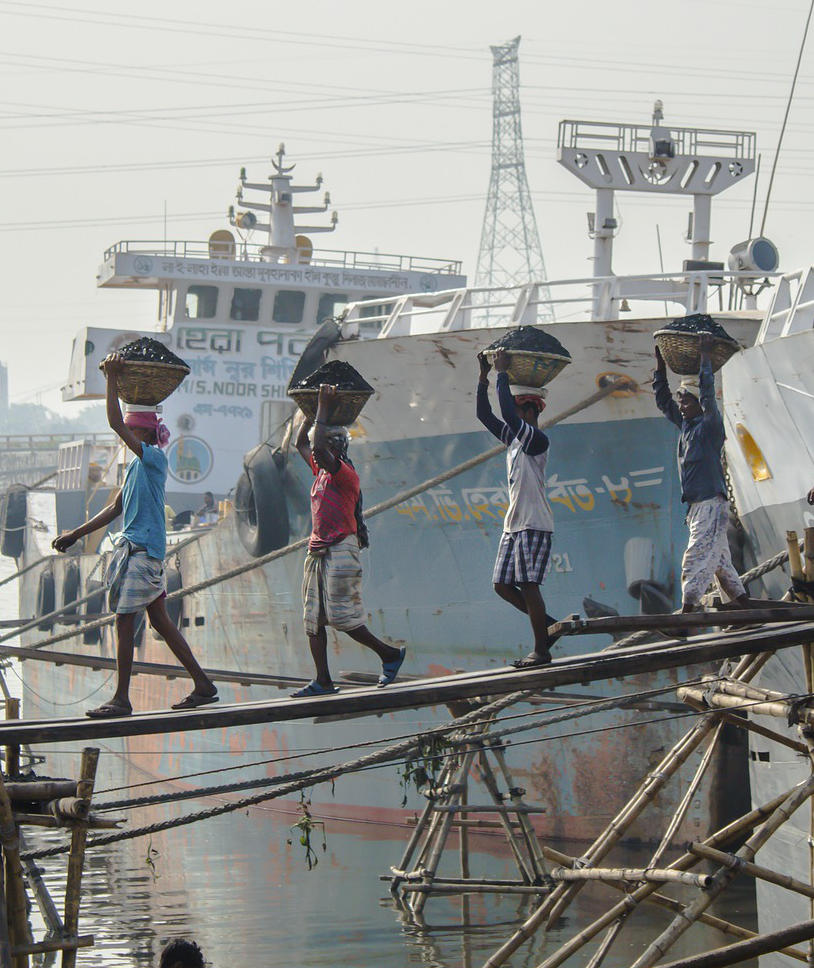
column 195, row 699
column 110, row 710
column 391, row 669
column 314, row 688
column 532, row 660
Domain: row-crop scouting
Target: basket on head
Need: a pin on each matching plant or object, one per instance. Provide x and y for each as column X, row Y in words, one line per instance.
column 681, row 353
column 148, row 383
column 347, row 406
column 531, row 369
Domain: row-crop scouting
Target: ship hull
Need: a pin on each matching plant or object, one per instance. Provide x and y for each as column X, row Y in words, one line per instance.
column 619, row 529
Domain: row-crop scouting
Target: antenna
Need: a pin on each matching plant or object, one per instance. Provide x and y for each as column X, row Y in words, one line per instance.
column 510, row 251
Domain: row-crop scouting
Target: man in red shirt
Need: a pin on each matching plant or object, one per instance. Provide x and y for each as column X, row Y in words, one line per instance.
column 332, row 579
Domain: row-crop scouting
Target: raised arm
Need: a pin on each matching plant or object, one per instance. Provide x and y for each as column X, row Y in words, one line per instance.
column 100, row 520
column 706, row 381
column 301, row 439
column 661, row 388
column 532, row 440
column 112, row 365
column 483, row 410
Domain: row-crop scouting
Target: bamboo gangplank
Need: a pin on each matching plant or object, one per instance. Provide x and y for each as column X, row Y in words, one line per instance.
column 593, row 667
column 76, row 857
column 754, row 870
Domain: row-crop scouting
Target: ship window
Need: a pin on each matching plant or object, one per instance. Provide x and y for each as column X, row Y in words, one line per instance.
column 380, row 310
column 330, row 304
column 201, row 302
column 288, row 306
column 245, row 305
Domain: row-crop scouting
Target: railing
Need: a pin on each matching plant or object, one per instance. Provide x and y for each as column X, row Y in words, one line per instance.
column 33, row 442
column 568, row 299
column 636, row 137
column 253, row 252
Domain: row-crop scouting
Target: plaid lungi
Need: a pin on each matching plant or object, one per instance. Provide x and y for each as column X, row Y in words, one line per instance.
column 332, row 588
column 523, row 557
column 707, row 555
column 134, row 579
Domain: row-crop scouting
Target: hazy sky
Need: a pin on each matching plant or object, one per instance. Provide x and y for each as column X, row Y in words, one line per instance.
column 110, row 111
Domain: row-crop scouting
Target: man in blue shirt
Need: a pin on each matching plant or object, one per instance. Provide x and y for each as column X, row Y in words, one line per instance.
column 703, row 487
column 136, row 572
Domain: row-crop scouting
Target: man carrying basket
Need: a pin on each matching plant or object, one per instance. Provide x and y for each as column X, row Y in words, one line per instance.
column 136, row 571
column 332, row 579
column 703, row 487
column 524, row 554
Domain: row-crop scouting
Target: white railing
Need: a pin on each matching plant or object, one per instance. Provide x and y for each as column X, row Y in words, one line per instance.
column 254, row 252
column 792, row 306
column 570, row 299
column 636, row 138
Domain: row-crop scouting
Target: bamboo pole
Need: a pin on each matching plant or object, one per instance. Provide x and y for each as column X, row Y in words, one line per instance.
column 55, row 944
column 723, row 876
column 28, row 790
column 654, row 875
column 754, row 870
column 795, row 561
column 752, row 727
column 5, row 941
column 45, row 902
column 743, row 951
column 630, row 901
column 562, row 895
column 12, row 750
column 19, row 932
column 516, row 796
column 808, row 552
column 76, row 857
column 780, row 710
column 434, row 857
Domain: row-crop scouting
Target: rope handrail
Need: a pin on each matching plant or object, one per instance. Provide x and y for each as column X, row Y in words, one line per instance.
column 385, row 505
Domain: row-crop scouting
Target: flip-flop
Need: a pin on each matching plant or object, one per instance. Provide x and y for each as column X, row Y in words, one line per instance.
column 391, row 669
column 532, row 660
column 195, row 699
column 109, row 710
column 314, row 689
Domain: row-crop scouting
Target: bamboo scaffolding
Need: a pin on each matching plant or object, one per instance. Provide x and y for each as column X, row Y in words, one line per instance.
column 778, row 709
column 19, row 933
column 755, row 870
column 751, row 727
column 724, row 875
column 5, row 942
column 795, row 561
column 76, row 857
column 747, row 822
column 742, row 951
column 48, row 910
column 634, row 874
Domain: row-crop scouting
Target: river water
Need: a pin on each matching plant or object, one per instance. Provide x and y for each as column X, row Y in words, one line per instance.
column 240, row 885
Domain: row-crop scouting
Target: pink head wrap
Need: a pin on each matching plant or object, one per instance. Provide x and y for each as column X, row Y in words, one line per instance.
column 149, row 420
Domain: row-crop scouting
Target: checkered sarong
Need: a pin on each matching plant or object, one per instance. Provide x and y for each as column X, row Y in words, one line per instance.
column 332, row 588
column 134, row 579
column 523, row 557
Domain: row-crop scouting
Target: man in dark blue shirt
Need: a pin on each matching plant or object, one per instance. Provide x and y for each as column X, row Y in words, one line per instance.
column 703, row 487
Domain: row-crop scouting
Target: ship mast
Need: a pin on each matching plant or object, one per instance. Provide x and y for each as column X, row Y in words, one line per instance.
column 287, row 242
column 658, row 159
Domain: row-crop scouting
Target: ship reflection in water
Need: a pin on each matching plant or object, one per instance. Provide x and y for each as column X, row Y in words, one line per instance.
column 245, row 894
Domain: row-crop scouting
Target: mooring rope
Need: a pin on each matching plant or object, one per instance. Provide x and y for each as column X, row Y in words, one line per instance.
column 585, row 707
column 314, row 777
column 386, row 505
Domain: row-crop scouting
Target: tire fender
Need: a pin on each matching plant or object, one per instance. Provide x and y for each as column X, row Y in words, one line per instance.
column 46, row 598
column 13, row 510
column 260, row 502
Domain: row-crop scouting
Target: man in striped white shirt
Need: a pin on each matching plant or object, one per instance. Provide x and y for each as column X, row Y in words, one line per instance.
column 524, row 554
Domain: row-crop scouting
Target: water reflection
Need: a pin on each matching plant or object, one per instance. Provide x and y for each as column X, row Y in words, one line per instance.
column 237, row 886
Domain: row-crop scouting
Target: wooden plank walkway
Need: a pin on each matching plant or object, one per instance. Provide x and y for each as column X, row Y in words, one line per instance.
column 573, row 670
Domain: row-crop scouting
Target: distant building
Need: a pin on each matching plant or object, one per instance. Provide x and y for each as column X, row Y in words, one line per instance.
column 3, row 388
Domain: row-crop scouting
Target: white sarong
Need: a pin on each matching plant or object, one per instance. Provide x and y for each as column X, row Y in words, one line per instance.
column 332, row 588
column 707, row 553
